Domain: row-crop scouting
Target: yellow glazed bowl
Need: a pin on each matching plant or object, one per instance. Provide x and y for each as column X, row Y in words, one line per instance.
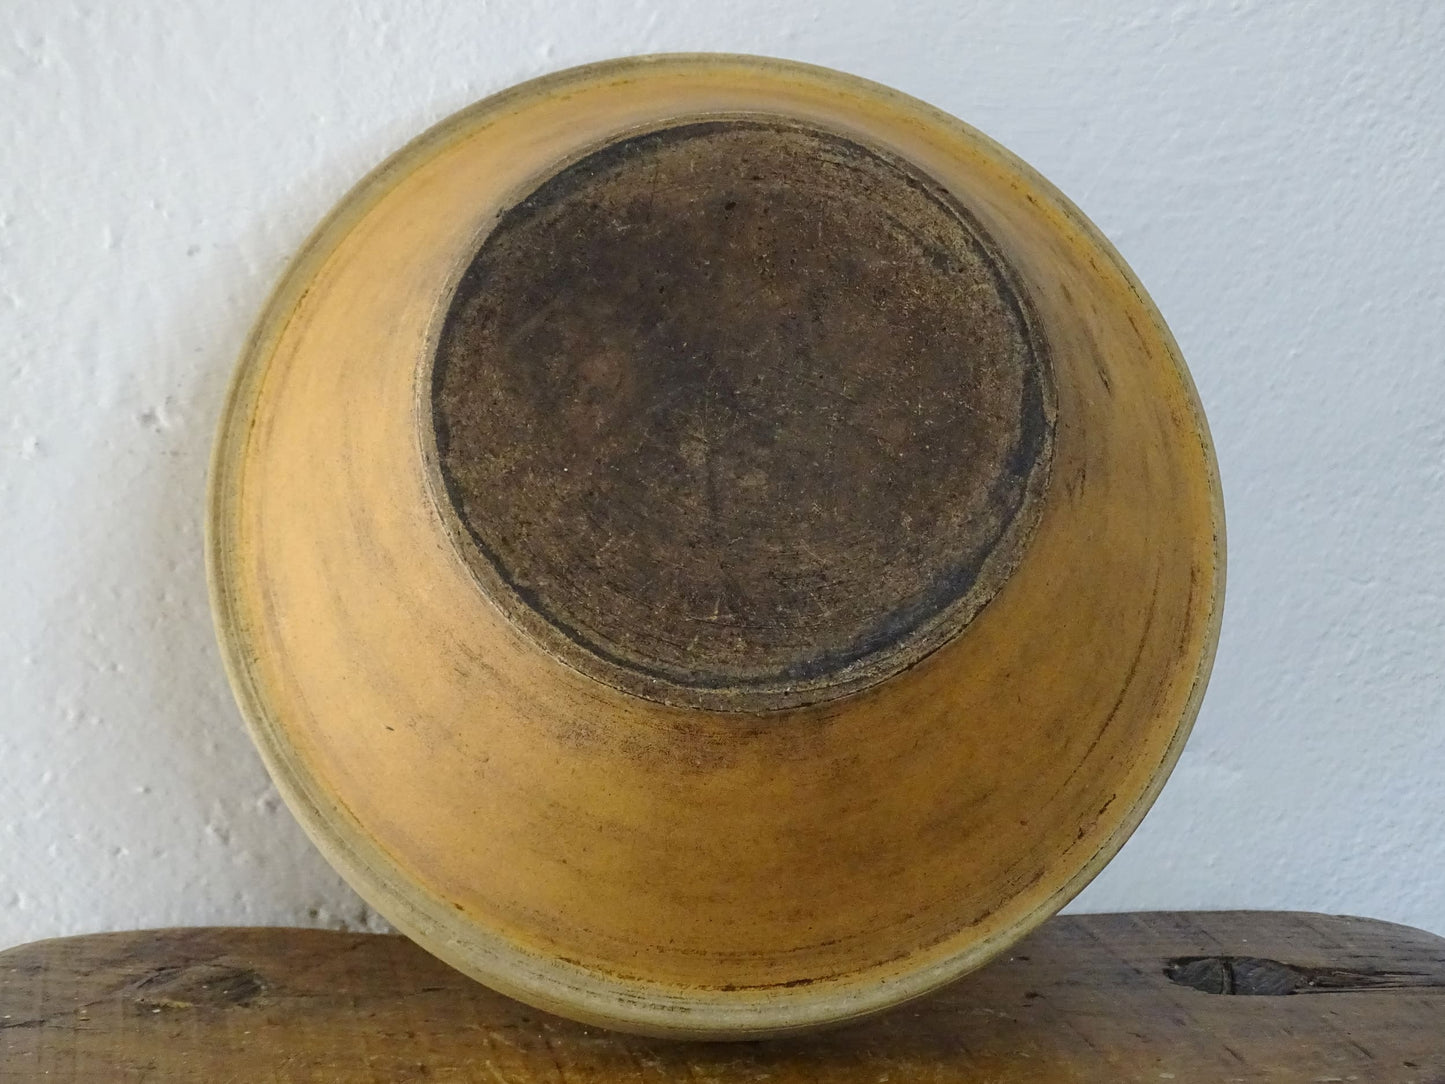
column 731, row 737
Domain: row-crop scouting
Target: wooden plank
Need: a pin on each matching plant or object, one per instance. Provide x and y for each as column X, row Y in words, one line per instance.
column 1182, row 997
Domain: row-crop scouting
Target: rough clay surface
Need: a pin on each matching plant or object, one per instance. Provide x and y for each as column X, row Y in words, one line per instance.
column 1271, row 170
column 741, row 415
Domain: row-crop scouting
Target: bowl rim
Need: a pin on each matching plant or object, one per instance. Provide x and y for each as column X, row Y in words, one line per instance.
column 365, row 866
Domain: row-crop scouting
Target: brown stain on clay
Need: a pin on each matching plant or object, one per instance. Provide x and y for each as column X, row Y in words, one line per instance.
column 741, row 414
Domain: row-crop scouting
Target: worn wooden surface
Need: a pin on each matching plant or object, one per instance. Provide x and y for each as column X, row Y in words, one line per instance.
column 691, row 870
column 1277, row 997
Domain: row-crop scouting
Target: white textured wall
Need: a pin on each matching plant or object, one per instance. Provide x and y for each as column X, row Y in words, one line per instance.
column 1272, row 170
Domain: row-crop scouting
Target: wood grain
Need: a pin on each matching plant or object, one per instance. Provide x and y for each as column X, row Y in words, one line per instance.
column 1083, row 1000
